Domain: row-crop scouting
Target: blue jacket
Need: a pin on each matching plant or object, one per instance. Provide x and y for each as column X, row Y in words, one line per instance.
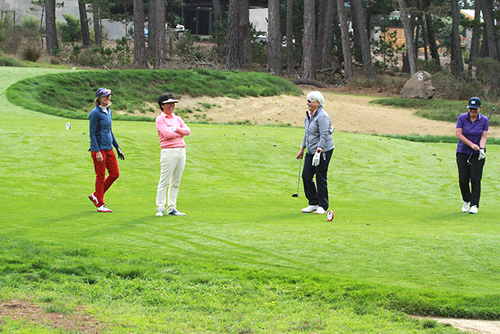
column 101, row 135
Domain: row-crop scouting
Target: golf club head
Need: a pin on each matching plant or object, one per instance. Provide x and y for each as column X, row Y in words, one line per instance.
column 295, row 195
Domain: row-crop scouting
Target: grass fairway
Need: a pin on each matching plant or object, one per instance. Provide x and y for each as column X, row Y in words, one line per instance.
column 243, row 259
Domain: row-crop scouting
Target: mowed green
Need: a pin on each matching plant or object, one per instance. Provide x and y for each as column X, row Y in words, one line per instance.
column 243, row 259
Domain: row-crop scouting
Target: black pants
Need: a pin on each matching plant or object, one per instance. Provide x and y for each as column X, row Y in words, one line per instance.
column 317, row 196
column 469, row 177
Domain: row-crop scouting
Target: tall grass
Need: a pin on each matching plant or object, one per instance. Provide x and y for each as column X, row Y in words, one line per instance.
column 69, row 94
column 440, row 110
column 436, row 139
column 243, row 259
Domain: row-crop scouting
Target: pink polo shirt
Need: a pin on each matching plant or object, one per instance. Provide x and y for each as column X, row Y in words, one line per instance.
column 168, row 138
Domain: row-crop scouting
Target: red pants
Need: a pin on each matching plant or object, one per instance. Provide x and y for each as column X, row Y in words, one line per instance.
column 102, row 183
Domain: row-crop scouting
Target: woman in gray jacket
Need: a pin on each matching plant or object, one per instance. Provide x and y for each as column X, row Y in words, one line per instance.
column 318, row 147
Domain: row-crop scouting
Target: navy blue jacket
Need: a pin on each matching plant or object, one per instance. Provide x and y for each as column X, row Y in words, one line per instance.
column 101, row 135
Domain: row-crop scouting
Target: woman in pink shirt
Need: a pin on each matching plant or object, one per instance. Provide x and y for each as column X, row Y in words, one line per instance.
column 171, row 130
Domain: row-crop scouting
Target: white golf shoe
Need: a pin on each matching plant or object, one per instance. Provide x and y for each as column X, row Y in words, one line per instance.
column 104, row 208
column 159, row 213
column 466, row 207
column 473, row 209
column 320, row 211
column 174, row 212
column 310, row 209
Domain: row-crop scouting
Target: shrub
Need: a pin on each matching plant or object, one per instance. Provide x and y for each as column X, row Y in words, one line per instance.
column 30, row 23
column 6, row 61
column 430, row 66
column 382, row 82
column 487, row 71
column 12, row 40
column 186, row 49
column 31, row 53
column 55, row 61
column 449, row 87
column 91, row 59
column 71, row 30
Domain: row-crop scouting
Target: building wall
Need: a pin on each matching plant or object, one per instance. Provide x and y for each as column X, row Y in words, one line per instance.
column 22, row 8
column 112, row 30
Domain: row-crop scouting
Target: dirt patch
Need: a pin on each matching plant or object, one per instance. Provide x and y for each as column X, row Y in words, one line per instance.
column 350, row 113
column 470, row 325
column 77, row 322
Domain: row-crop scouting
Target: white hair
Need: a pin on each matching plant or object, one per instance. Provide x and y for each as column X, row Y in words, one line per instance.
column 316, row 96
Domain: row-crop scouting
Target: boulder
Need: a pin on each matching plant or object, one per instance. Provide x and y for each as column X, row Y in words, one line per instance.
column 419, row 86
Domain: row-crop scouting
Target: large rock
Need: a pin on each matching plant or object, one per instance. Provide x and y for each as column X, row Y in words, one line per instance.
column 419, row 86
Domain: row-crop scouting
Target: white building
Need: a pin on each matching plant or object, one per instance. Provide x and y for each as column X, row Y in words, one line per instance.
column 112, row 30
column 24, row 8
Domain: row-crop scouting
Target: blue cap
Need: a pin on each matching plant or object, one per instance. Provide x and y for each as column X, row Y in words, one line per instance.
column 102, row 92
column 474, row 103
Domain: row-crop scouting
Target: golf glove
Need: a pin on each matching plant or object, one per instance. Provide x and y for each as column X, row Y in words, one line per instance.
column 172, row 128
column 315, row 161
column 482, row 154
column 120, row 154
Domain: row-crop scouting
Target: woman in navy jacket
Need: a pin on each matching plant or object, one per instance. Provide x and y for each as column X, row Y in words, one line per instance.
column 102, row 141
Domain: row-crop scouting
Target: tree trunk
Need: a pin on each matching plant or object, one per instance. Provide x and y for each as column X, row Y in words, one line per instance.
column 424, row 35
column 274, row 38
column 97, row 24
column 357, row 53
column 325, row 35
column 414, row 24
column 410, row 44
column 84, row 23
column 346, row 41
column 289, row 37
column 489, row 29
column 490, row 34
column 139, row 38
column 457, row 63
column 474, row 43
column 156, row 33
column 364, row 43
column 320, row 31
column 50, row 26
column 433, row 48
column 245, row 31
column 308, row 40
column 235, row 54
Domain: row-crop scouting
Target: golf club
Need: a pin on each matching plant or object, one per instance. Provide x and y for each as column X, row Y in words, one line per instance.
column 491, row 113
column 468, row 160
column 298, row 179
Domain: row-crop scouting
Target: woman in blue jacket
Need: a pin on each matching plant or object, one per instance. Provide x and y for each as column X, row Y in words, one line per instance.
column 102, row 141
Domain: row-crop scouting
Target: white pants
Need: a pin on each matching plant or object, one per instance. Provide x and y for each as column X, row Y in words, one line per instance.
column 172, row 163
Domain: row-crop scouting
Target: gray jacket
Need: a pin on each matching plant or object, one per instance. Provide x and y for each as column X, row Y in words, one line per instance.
column 318, row 132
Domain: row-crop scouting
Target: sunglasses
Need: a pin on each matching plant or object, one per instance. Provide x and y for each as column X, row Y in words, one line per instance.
column 310, row 101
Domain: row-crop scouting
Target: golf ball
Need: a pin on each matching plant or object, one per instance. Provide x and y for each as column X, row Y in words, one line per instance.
column 329, row 215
